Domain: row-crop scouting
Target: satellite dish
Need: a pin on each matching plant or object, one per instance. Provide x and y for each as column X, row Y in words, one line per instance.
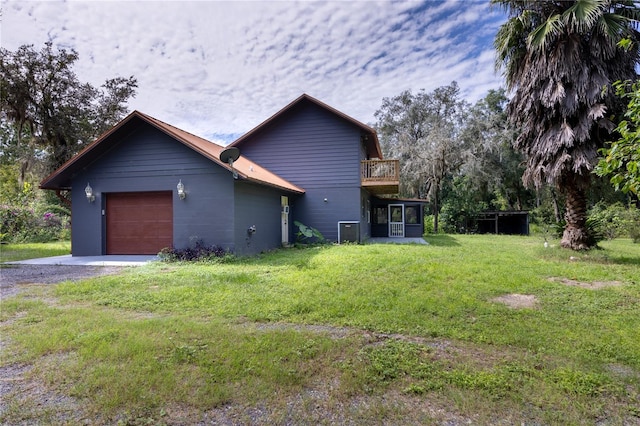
column 230, row 155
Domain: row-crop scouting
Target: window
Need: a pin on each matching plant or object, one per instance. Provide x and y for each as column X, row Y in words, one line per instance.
column 380, row 215
column 412, row 215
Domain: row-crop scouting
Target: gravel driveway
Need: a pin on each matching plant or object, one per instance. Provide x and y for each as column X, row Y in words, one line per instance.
column 13, row 276
column 16, row 388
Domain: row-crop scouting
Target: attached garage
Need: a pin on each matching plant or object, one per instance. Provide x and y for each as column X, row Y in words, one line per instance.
column 139, row 222
column 125, row 197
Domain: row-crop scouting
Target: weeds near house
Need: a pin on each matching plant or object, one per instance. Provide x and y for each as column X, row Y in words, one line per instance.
column 198, row 252
column 363, row 333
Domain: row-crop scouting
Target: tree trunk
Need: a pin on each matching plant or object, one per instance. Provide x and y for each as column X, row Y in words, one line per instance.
column 436, row 207
column 22, row 176
column 576, row 234
column 60, row 153
column 556, row 207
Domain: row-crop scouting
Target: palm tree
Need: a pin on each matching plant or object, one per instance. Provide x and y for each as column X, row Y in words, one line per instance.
column 559, row 60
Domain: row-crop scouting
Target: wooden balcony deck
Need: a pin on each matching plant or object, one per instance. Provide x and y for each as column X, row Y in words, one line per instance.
column 380, row 176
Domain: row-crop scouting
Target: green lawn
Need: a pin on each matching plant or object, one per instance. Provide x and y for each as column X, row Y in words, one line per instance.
column 368, row 333
column 11, row 252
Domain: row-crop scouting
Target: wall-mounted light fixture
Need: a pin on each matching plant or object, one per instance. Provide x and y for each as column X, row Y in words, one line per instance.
column 181, row 192
column 88, row 191
column 326, row 200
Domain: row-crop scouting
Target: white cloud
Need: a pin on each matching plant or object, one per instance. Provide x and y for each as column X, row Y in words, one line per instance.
column 220, row 68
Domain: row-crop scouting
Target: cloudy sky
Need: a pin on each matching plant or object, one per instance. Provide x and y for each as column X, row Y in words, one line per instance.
column 217, row 69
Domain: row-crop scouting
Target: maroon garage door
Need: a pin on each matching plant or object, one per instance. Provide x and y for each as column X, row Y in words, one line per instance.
column 139, row 222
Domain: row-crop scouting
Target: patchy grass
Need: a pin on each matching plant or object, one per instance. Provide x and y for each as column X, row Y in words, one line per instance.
column 369, row 334
column 12, row 252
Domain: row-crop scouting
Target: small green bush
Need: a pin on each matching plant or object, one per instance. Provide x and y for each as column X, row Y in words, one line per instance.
column 14, row 221
column 428, row 224
column 615, row 221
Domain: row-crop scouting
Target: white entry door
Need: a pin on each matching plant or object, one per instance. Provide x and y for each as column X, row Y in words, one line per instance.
column 396, row 220
column 284, row 205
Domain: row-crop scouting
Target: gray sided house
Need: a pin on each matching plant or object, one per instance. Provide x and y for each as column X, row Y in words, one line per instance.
column 145, row 185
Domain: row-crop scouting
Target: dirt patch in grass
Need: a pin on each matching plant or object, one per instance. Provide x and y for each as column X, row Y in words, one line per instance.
column 440, row 349
column 27, row 400
column 518, row 301
column 595, row 285
column 623, row 371
column 369, row 337
column 332, row 332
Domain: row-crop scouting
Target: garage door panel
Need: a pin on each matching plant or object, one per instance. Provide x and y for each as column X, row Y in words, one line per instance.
column 151, row 230
column 139, row 223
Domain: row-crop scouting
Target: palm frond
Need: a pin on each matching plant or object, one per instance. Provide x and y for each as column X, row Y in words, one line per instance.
column 583, row 14
column 545, row 33
column 510, row 45
column 515, row 7
column 627, row 8
column 566, row 135
column 613, row 25
column 507, row 38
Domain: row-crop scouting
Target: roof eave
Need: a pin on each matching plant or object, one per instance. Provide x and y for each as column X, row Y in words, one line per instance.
column 46, row 182
column 296, row 190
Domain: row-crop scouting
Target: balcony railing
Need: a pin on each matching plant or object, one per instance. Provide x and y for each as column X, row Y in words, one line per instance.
column 380, row 176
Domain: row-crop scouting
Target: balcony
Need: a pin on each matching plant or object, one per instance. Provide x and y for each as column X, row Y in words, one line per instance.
column 380, row 176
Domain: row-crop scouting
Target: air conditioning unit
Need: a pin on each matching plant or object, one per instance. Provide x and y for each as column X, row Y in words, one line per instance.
column 348, row 231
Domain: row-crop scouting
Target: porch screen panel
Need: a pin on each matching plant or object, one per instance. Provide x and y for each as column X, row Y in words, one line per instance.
column 396, row 220
column 396, row 229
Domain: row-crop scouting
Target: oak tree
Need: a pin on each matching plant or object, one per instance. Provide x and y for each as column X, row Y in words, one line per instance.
column 46, row 113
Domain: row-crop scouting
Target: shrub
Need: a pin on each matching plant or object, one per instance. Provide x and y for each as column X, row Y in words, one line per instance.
column 19, row 224
column 428, row 224
column 29, row 215
column 14, row 222
column 594, row 231
column 197, row 252
column 633, row 220
column 544, row 217
column 51, row 227
column 615, row 220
